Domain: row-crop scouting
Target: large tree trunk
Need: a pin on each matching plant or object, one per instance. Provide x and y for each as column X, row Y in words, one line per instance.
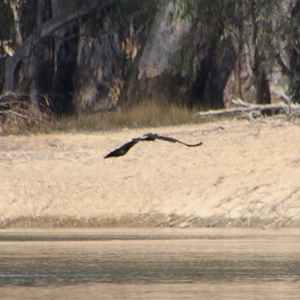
column 35, row 60
column 208, row 89
column 64, row 59
column 16, row 8
column 150, row 79
column 238, row 48
column 100, row 64
column 263, row 95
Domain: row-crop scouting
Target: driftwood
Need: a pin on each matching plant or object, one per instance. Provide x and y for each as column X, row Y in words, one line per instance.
column 17, row 109
column 254, row 110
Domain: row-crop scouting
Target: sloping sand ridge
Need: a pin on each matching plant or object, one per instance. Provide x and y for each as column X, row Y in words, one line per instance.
column 244, row 175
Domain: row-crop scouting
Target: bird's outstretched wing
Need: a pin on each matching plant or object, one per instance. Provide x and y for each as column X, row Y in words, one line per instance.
column 123, row 149
column 169, row 139
column 146, row 137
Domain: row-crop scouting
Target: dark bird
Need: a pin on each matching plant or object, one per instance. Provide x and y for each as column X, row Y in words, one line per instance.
column 146, row 137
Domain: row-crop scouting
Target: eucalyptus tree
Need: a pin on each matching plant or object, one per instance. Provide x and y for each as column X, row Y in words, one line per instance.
column 51, row 39
column 275, row 44
column 260, row 34
column 29, row 67
column 214, row 49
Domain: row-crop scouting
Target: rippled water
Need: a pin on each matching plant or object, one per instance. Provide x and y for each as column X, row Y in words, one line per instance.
column 150, row 264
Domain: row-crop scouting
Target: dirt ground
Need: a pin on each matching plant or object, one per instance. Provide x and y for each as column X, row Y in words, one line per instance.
column 246, row 174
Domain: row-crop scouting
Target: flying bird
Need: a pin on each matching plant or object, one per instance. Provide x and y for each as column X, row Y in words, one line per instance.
column 146, row 137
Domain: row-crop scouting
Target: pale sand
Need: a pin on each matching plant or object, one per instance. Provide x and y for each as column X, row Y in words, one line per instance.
column 246, row 174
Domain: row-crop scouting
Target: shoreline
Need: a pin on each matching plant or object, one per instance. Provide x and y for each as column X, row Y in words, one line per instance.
column 147, row 222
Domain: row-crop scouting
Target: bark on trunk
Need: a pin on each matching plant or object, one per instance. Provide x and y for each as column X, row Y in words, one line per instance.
column 36, row 55
column 263, row 95
column 16, row 7
column 207, row 92
column 238, row 47
column 150, row 79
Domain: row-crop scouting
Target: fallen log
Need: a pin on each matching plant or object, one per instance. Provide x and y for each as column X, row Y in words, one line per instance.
column 255, row 110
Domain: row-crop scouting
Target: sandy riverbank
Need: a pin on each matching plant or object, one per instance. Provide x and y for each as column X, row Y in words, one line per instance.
column 244, row 175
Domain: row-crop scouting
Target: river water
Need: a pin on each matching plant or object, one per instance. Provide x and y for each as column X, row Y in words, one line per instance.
column 150, row 264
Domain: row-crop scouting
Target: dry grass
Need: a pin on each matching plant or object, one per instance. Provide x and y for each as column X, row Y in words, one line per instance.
column 148, row 115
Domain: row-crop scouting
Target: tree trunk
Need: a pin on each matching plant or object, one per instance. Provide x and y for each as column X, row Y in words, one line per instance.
column 16, row 6
column 215, row 69
column 220, row 72
column 238, row 47
column 36, row 55
column 263, row 95
column 64, row 59
column 237, row 78
column 263, row 90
